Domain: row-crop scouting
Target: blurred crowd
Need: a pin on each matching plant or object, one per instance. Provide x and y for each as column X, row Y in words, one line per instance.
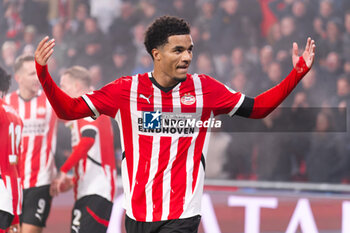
column 244, row 44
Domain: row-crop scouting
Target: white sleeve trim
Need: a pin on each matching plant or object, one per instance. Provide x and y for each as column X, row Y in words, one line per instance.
column 235, row 108
column 91, row 106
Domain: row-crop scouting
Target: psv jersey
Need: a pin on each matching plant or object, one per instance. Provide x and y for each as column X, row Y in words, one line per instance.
column 96, row 172
column 10, row 134
column 37, row 165
column 163, row 144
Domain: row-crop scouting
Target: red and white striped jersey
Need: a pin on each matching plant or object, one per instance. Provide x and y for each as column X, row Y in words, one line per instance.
column 10, row 134
column 95, row 173
column 164, row 162
column 37, row 166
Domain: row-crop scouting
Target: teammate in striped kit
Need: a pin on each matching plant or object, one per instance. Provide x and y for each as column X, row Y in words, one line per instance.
column 162, row 168
column 10, row 186
column 37, row 166
column 93, row 160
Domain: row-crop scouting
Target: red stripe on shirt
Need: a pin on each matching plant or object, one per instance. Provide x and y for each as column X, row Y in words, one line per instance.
column 35, row 166
column 142, row 174
column 178, row 176
column 167, row 101
column 157, row 187
column 127, row 131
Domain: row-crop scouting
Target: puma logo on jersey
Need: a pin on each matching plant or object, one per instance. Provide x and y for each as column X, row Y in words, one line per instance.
column 146, row 98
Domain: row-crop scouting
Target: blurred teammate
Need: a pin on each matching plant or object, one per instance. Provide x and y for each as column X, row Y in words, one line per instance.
column 93, row 161
column 37, row 166
column 10, row 150
column 163, row 165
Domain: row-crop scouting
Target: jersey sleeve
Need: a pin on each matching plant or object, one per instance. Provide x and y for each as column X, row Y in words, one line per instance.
column 66, row 108
column 79, row 152
column 106, row 100
column 225, row 100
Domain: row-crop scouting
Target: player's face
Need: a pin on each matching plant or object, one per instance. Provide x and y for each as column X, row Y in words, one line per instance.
column 27, row 78
column 176, row 56
column 67, row 85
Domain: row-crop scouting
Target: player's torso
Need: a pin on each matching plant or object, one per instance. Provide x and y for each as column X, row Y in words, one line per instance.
column 95, row 173
column 11, row 129
column 163, row 137
column 39, row 138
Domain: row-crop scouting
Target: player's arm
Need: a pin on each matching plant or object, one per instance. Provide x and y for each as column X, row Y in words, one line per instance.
column 80, row 151
column 65, row 107
column 263, row 104
column 64, row 183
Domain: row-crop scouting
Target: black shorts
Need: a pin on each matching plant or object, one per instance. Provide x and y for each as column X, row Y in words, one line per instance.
column 185, row 225
column 91, row 214
column 5, row 219
column 36, row 205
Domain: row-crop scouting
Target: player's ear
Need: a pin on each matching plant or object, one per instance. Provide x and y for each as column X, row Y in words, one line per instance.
column 156, row 54
column 17, row 77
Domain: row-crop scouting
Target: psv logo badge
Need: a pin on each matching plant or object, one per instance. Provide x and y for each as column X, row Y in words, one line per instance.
column 188, row 99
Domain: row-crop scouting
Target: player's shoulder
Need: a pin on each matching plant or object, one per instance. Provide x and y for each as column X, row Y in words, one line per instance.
column 8, row 109
column 204, row 78
column 14, row 94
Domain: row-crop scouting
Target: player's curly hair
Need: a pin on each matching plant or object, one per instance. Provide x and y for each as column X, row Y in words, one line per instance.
column 158, row 32
column 4, row 80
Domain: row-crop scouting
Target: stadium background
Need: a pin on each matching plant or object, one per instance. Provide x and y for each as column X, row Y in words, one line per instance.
column 301, row 147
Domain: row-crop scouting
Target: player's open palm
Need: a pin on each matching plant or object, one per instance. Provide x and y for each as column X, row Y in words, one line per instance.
column 308, row 54
column 44, row 50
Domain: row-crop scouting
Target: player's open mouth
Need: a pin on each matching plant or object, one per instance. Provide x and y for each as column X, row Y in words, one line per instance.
column 182, row 67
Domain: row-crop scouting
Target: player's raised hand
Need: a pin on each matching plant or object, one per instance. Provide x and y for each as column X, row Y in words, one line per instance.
column 308, row 54
column 44, row 50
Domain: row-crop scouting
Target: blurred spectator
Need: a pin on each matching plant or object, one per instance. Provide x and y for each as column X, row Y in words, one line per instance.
column 138, row 36
column 226, row 26
column 251, row 19
column 238, row 62
column 59, row 11
column 90, row 44
column 76, row 25
column 96, row 75
column 11, row 24
column 8, row 56
column 121, row 64
column 330, row 71
column 217, row 156
column 119, row 32
column 143, row 64
column 333, row 40
column 274, row 163
column 183, row 8
column 302, row 16
column 30, row 40
column 281, row 8
column 104, row 11
column 324, row 161
column 274, row 34
column 346, row 37
column 326, row 12
column 61, row 47
column 289, row 35
column 31, row 15
column 204, row 64
column 149, row 11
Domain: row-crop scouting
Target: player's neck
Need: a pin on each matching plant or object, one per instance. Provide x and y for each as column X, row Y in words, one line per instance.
column 163, row 79
column 27, row 94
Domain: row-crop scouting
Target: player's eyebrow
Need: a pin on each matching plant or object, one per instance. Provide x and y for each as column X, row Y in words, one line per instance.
column 179, row 47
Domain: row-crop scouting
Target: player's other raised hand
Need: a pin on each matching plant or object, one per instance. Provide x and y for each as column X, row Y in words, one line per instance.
column 44, row 50
column 308, row 54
